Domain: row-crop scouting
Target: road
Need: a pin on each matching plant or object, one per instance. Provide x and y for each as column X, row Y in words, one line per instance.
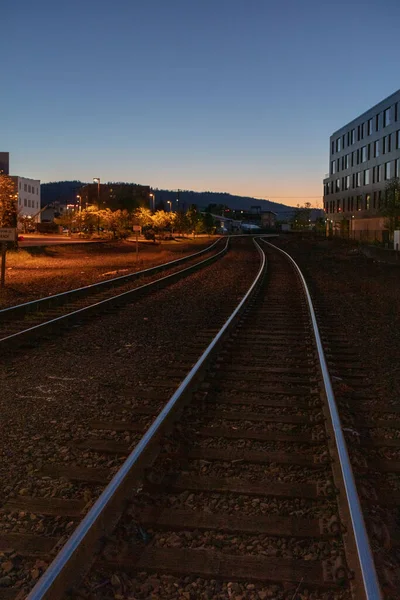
column 32, row 239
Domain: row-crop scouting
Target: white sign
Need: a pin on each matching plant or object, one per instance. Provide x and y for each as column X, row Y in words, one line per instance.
column 137, row 228
column 7, row 235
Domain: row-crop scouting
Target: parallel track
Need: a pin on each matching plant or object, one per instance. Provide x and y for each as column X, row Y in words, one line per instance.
column 26, row 321
column 236, row 480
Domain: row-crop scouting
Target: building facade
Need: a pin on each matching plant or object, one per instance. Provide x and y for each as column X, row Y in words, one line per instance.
column 363, row 156
column 28, row 202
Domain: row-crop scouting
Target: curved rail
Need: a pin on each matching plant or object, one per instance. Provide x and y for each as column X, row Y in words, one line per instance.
column 136, row 291
column 103, row 515
column 56, row 299
column 365, row 558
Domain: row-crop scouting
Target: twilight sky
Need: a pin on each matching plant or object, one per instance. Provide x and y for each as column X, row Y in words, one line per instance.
column 224, row 95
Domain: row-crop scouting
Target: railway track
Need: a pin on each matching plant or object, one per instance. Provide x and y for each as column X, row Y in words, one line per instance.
column 371, row 424
column 25, row 321
column 235, row 489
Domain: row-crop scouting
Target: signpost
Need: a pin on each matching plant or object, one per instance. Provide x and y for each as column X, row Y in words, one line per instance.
column 137, row 229
column 6, row 235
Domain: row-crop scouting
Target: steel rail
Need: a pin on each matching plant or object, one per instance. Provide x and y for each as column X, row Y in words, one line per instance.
column 56, row 579
column 55, row 298
column 113, row 299
column 364, row 552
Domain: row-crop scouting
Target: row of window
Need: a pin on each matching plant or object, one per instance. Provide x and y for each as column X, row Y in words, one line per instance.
column 379, row 121
column 29, row 203
column 373, row 150
column 355, row 203
column 381, row 172
column 29, row 188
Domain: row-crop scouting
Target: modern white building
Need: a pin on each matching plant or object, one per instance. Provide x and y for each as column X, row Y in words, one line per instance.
column 28, row 192
column 364, row 157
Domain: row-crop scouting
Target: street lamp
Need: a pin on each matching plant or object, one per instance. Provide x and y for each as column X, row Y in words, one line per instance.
column 153, row 201
column 97, row 180
column 170, row 205
column 79, row 198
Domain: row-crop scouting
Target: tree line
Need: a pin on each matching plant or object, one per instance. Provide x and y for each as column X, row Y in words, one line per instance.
column 118, row 224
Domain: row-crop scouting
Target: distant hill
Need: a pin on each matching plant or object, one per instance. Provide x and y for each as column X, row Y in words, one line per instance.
column 65, row 192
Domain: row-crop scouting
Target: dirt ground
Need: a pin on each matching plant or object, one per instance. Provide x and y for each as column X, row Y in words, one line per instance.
column 41, row 271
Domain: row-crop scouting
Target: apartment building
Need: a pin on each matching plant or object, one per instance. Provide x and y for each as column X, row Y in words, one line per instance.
column 28, row 203
column 363, row 156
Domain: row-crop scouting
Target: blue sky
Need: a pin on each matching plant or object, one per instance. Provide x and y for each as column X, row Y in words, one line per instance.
column 224, row 95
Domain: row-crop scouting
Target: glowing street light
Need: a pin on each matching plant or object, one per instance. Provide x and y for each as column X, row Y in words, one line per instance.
column 153, row 201
column 170, row 205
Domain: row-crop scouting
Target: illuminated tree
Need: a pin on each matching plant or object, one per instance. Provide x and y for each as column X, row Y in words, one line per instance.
column 391, row 206
column 144, row 216
column 8, row 202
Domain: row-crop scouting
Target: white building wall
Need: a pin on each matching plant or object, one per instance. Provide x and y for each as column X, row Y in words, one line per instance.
column 28, row 191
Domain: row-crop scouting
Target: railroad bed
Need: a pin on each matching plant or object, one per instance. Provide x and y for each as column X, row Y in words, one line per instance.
column 235, row 491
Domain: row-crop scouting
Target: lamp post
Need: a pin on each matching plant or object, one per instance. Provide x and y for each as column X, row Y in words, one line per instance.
column 153, row 202
column 97, row 180
column 170, row 205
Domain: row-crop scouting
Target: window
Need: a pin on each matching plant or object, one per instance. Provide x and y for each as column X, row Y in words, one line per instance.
column 398, row 139
column 366, row 177
column 397, row 167
column 396, row 111
column 333, row 147
column 337, row 187
column 387, row 170
column 359, row 132
column 352, row 203
column 338, row 205
column 338, row 165
column 358, row 179
column 374, row 204
column 24, row 201
column 367, row 201
column 358, row 156
column 348, row 203
column 333, row 167
column 386, row 117
column 347, row 182
column 353, row 136
column 386, row 145
column 376, row 148
column 374, row 175
column 29, row 188
column 377, row 122
column 346, row 161
column 24, row 187
column 364, row 154
column 338, row 144
column 369, row 127
column 348, row 138
column 363, row 131
column 358, row 202
column 379, row 171
column 343, row 141
column 353, row 158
